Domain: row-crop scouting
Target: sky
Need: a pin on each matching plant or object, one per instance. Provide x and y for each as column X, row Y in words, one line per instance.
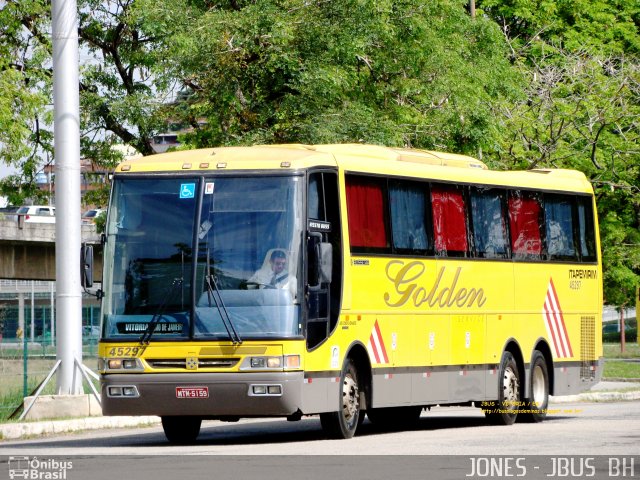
column 5, row 170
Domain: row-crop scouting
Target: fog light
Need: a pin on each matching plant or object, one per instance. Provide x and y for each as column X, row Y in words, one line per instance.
column 274, row 390
column 130, row 391
column 259, row 389
column 115, row 391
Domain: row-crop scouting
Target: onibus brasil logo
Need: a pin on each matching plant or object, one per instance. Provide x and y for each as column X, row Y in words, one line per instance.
column 38, row 469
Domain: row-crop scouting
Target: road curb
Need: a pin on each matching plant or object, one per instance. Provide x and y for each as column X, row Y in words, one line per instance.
column 15, row 431
column 597, row 397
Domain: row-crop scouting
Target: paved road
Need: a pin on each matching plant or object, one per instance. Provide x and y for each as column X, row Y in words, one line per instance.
column 572, row 429
column 447, row 443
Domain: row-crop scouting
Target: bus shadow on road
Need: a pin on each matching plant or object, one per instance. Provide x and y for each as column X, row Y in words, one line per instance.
column 269, row 431
column 309, row 429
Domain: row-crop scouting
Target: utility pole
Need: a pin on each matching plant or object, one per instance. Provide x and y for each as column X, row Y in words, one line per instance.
column 622, row 330
column 66, row 107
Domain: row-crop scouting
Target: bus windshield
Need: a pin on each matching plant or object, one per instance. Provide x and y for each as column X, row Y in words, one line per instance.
column 229, row 270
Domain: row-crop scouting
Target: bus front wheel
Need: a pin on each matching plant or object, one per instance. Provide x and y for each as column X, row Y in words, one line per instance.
column 181, row 430
column 343, row 423
column 506, row 408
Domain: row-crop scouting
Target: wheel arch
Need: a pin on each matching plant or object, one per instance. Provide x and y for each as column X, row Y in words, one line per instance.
column 358, row 353
column 513, row 347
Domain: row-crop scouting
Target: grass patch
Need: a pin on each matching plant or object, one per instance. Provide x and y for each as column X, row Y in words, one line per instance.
column 612, row 350
column 621, row 369
column 615, row 365
column 12, row 380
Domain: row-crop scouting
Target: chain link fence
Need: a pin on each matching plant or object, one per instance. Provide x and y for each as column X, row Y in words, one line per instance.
column 27, row 341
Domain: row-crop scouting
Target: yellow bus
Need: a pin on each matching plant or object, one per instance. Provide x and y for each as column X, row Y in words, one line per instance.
column 345, row 280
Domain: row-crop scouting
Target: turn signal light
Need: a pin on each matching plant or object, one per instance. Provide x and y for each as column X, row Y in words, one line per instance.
column 292, row 361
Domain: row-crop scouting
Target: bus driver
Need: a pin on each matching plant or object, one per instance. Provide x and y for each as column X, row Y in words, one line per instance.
column 274, row 274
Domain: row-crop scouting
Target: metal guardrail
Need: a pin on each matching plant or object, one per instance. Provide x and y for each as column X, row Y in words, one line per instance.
column 9, row 289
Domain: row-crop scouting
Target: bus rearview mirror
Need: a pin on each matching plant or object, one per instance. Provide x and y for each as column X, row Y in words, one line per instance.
column 86, row 266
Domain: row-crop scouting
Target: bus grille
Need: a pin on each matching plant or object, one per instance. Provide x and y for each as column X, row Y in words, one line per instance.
column 160, row 363
column 587, row 348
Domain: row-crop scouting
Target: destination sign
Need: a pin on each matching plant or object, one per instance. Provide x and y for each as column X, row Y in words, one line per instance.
column 141, row 327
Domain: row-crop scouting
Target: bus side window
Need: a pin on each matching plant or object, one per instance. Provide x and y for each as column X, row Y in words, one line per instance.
column 315, row 208
column 558, row 212
column 525, row 218
column 449, row 221
column 489, row 224
column 366, row 211
column 410, row 219
column 586, row 230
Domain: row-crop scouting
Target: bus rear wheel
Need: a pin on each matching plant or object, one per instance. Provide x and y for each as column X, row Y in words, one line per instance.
column 181, row 430
column 505, row 411
column 538, row 402
column 343, row 423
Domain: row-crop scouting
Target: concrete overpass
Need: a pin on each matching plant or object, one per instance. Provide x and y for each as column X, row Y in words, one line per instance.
column 27, row 250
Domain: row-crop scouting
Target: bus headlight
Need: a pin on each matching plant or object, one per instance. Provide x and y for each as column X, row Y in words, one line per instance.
column 286, row 362
column 119, row 364
column 265, row 362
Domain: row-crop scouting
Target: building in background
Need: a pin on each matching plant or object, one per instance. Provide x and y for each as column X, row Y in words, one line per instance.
column 93, row 176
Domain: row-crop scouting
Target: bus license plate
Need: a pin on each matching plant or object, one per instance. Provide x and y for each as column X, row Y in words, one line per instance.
column 192, row 392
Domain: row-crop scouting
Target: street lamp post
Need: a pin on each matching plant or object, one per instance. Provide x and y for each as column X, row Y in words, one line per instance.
column 66, row 100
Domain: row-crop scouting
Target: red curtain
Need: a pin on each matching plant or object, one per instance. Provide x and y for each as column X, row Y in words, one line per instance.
column 524, row 220
column 365, row 209
column 450, row 230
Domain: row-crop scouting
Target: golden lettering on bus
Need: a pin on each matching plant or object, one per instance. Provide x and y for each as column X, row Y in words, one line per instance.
column 405, row 278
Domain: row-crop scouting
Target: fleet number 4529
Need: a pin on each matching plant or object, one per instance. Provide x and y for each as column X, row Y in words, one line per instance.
column 126, row 351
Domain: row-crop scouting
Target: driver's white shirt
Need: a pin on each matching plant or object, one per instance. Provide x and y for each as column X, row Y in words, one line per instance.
column 264, row 276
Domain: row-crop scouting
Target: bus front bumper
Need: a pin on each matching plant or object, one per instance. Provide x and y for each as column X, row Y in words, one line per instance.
column 202, row 394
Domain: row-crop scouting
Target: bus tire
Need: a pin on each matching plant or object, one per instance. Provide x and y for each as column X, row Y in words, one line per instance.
column 538, row 402
column 344, row 423
column 394, row 417
column 181, row 430
column 505, row 411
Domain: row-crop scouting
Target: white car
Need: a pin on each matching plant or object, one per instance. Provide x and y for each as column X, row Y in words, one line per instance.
column 90, row 215
column 37, row 214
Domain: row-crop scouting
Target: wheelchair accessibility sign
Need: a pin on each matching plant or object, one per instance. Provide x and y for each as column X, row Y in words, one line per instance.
column 188, row 190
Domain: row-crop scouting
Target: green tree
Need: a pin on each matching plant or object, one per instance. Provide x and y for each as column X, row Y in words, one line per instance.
column 388, row 72
column 120, row 103
column 240, row 72
column 24, row 92
column 604, row 26
column 580, row 110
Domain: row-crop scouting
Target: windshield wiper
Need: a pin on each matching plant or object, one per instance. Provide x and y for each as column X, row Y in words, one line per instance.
column 157, row 316
column 214, row 292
